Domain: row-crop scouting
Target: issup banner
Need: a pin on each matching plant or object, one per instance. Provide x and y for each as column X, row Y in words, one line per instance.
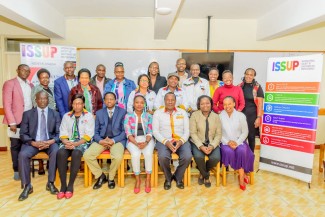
column 51, row 57
column 290, row 115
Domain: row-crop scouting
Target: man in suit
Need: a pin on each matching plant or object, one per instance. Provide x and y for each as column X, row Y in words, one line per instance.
column 109, row 135
column 39, row 132
column 62, row 87
column 100, row 80
column 16, row 96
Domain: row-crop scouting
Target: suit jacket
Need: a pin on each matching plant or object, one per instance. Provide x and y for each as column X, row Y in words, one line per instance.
column 129, row 86
column 61, row 95
column 93, row 81
column 160, row 82
column 13, row 101
column 29, row 125
column 101, row 123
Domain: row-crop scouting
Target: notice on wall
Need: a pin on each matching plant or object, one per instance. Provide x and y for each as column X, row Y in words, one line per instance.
column 50, row 57
column 290, row 115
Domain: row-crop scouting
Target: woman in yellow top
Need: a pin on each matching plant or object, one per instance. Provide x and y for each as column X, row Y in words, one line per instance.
column 213, row 80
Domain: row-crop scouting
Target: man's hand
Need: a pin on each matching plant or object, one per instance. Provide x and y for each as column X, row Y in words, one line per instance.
column 13, row 128
column 170, row 145
column 179, row 143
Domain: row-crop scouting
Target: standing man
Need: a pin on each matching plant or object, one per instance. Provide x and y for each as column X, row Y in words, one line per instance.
column 172, row 86
column 62, row 87
column 16, row 96
column 171, row 129
column 109, row 135
column 181, row 70
column 100, row 80
column 40, row 129
column 194, row 87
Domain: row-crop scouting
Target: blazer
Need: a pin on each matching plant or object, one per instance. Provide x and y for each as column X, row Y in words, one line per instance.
column 131, row 124
column 13, row 101
column 39, row 88
column 93, row 80
column 29, row 125
column 61, row 95
column 129, row 86
column 101, row 123
column 96, row 96
column 160, row 82
column 197, row 128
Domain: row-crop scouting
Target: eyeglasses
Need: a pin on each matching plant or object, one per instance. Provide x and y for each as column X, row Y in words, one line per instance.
column 146, row 81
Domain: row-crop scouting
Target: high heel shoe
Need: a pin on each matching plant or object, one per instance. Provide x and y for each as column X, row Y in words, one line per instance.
column 242, row 187
column 246, row 180
column 137, row 189
column 147, row 189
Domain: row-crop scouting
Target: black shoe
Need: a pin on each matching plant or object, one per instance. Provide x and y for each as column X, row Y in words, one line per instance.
column 180, row 184
column 111, row 184
column 207, row 182
column 27, row 190
column 200, row 180
column 100, row 181
column 167, row 185
column 51, row 187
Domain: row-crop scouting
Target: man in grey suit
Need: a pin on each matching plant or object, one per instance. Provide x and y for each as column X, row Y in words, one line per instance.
column 39, row 131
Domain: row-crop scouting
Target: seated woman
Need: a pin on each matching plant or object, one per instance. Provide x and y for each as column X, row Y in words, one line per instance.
column 93, row 97
column 138, row 129
column 76, row 132
column 234, row 148
column 142, row 89
column 205, row 132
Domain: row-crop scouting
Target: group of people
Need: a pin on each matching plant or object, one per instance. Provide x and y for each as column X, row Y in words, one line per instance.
column 82, row 116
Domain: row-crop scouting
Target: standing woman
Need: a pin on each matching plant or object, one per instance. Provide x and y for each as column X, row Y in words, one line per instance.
column 93, row 97
column 43, row 76
column 254, row 97
column 156, row 81
column 76, row 132
column 138, row 129
column 205, row 132
column 142, row 89
column 213, row 80
column 234, row 148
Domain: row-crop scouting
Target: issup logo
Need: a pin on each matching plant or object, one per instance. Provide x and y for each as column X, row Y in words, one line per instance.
column 38, row 51
column 285, row 65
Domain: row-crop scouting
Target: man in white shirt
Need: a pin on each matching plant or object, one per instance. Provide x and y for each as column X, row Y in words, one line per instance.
column 16, row 96
column 172, row 81
column 194, row 87
column 171, row 129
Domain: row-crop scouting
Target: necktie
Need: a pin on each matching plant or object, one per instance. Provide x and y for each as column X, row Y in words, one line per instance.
column 43, row 127
column 110, row 114
column 206, row 143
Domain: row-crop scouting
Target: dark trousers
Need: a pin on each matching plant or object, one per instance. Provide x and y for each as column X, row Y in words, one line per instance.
column 164, row 157
column 252, row 131
column 25, row 155
column 62, row 163
column 205, row 166
column 15, row 147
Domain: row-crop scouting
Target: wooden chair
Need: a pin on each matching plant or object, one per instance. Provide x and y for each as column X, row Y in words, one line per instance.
column 215, row 171
column 127, row 156
column 157, row 172
column 321, row 157
column 104, row 156
column 224, row 175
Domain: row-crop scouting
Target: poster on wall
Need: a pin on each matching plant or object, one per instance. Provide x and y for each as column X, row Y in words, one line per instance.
column 290, row 115
column 51, row 57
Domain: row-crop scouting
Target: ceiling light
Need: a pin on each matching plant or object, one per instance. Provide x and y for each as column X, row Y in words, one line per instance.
column 163, row 11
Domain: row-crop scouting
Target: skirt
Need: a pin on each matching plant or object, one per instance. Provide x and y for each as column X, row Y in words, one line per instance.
column 241, row 157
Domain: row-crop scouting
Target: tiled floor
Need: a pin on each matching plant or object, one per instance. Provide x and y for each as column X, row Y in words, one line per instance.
column 271, row 195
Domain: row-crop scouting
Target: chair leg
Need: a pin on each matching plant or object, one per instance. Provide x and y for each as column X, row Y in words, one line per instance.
column 321, row 157
column 33, row 169
column 86, row 175
column 217, row 174
column 224, row 175
column 156, row 169
column 153, row 173
column 251, row 178
column 122, row 175
column 189, row 175
column 57, row 177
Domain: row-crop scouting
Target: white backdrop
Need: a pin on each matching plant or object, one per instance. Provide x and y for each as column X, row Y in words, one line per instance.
column 135, row 62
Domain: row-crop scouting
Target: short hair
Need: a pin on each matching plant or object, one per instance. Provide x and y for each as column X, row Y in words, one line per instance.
column 180, row 59
column 22, row 65
column 139, row 96
column 43, row 70
column 67, row 62
column 109, row 92
column 195, row 64
column 169, row 93
column 214, row 68
column 42, row 92
column 202, row 97
column 100, row 65
column 230, row 97
column 148, row 73
column 226, row 71
column 77, row 96
column 143, row 75
column 250, row 69
column 84, row 70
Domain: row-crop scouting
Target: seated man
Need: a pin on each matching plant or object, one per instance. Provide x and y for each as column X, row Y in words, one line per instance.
column 109, row 135
column 171, row 130
column 39, row 131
